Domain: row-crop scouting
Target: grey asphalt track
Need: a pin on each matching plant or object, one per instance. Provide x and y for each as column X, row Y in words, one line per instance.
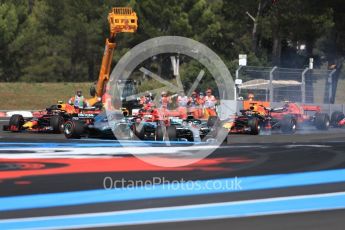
column 306, row 135
column 302, row 221
column 273, row 154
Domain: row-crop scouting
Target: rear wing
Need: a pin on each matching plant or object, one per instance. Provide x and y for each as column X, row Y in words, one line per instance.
column 311, row 108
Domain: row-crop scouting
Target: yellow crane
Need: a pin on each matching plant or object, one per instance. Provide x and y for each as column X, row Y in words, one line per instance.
column 121, row 20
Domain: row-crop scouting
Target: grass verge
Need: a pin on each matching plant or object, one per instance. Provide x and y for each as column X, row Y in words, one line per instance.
column 33, row 96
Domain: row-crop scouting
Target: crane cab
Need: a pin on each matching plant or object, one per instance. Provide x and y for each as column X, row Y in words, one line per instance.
column 122, row 19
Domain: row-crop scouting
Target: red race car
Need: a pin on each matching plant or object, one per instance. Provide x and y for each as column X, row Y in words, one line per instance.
column 338, row 119
column 293, row 116
column 51, row 119
column 155, row 124
column 286, row 119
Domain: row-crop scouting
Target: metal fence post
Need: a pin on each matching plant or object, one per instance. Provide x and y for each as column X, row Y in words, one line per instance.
column 271, row 83
column 237, row 77
column 330, row 85
column 303, row 86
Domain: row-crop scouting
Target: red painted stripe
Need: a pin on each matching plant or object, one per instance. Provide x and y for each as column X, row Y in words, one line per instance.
column 125, row 164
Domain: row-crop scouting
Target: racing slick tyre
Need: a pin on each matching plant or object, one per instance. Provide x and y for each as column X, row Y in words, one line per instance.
column 159, row 134
column 98, row 105
column 322, row 121
column 288, row 125
column 254, row 125
column 336, row 117
column 171, row 130
column 139, row 132
column 17, row 121
column 57, row 123
column 74, row 129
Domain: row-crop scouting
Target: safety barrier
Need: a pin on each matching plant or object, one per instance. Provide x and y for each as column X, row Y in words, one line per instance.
column 277, row 84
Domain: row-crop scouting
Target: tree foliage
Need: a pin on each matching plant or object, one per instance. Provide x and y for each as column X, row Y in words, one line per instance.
column 49, row 40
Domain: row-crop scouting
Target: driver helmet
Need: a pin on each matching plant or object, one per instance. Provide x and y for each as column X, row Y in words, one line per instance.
column 251, row 96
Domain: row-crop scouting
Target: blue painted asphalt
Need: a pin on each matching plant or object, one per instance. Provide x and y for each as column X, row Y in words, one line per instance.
column 113, row 143
column 204, row 187
column 280, row 205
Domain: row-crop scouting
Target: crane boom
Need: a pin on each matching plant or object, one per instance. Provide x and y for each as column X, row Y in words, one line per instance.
column 121, row 20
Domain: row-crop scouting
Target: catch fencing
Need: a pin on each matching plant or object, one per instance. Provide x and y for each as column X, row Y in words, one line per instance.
column 275, row 84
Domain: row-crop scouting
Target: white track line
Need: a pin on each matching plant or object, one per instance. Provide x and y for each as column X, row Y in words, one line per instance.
column 92, row 152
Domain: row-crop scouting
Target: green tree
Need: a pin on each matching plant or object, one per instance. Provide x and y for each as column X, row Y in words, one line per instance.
column 8, row 28
column 64, row 40
column 34, row 47
column 293, row 22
